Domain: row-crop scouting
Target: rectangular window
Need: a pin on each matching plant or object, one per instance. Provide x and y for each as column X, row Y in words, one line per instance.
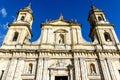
column 15, row 36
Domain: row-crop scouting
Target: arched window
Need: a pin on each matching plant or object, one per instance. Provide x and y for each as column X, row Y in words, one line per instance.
column 30, row 68
column 22, row 18
column 107, row 36
column 100, row 18
column 92, row 69
column 15, row 36
column 61, row 40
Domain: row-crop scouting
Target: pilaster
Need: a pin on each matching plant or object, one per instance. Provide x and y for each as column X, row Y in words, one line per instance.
column 40, row 66
column 49, row 36
column 79, row 38
column 115, row 36
column 111, row 69
column 19, row 69
column 105, row 69
column 6, row 71
column 83, row 69
column 44, row 36
column 77, row 69
column 45, row 69
column 74, row 37
column 12, row 68
column 71, row 76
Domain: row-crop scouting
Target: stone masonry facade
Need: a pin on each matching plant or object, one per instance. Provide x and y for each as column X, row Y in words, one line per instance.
column 60, row 53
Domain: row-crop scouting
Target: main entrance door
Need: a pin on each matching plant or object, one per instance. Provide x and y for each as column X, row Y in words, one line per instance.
column 61, row 77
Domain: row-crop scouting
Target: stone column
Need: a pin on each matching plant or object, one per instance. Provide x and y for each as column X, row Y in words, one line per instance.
column 105, row 69
column 45, row 70
column 83, row 69
column 55, row 39
column 111, row 68
column 78, row 36
column 19, row 69
column 50, row 74
column 49, row 36
column 39, row 73
column 71, row 74
column 41, row 38
column 65, row 39
column 22, row 38
column 44, row 35
column 77, row 69
column 6, row 71
column 114, row 36
column 74, row 37
column 11, row 70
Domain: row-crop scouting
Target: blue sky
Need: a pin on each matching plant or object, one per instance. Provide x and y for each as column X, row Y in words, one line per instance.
column 51, row 9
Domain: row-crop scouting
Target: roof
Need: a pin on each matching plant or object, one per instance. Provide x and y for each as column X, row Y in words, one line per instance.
column 94, row 9
column 27, row 8
column 61, row 21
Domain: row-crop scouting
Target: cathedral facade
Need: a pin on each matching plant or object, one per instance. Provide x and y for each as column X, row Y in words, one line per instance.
column 60, row 53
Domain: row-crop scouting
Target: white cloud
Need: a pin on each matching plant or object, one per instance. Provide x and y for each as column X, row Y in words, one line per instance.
column 13, row 17
column 3, row 12
column 1, row 38
column 4, row 26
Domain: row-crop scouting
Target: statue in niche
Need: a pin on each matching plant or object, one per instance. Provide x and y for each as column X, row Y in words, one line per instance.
column 92, row 69
column 30, row 68
column 61, row 39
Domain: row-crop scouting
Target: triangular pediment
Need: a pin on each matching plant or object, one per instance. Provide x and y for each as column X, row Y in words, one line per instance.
column 59, row 22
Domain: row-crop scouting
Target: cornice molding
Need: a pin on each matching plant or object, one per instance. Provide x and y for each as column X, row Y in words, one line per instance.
column 58, row 51
column 22, row 24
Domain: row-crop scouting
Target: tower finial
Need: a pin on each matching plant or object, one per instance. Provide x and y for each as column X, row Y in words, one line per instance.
column 92, row 4
column 30, row 2
column 29, row 5
column 61, row 17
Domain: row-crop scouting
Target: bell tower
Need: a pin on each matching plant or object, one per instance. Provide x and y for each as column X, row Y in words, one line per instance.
column 20, row 30
column 101, row 31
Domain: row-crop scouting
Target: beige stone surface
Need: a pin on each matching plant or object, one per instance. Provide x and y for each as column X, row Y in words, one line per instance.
column 61, row 50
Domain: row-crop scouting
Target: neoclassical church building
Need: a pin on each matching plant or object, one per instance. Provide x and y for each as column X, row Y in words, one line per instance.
column 60, row 53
